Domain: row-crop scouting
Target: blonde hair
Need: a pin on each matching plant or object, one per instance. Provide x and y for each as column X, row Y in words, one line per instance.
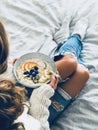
column 11, row 99
column 4, row 48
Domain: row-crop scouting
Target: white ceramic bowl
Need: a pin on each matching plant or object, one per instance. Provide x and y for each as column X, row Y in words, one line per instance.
column 29, row 56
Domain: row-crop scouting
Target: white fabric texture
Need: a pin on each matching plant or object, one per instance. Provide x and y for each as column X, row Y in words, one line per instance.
column 39, row 25
column 81, row 27
column 40, row 101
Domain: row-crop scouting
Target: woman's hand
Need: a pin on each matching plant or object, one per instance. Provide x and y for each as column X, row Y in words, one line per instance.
column 53, row 82
column 13, row 61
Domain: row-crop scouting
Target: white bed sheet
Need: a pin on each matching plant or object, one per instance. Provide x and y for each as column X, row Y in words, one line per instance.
column 32, row 25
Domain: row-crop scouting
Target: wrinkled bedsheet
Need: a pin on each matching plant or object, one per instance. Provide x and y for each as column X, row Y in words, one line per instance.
column 39, row 25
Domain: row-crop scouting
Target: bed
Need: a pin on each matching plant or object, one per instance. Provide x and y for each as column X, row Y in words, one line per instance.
column 39, row 25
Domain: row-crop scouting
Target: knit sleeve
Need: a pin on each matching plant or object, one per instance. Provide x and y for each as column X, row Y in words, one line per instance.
column 40, row 101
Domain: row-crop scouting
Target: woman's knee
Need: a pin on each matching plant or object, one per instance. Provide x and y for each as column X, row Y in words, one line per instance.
column 83, row 71
column 71, row 62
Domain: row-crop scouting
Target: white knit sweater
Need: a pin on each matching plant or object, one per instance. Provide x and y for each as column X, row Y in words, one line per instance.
column 39, row 103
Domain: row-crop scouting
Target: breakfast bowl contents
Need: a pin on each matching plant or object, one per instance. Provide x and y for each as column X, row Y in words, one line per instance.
column 34, row 69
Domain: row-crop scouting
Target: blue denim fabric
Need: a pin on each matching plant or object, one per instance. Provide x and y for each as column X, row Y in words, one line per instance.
column 58, row 105
column 72, row 45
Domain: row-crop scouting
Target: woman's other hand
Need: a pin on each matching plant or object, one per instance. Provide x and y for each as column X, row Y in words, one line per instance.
column 13, row 61
column 53, row 82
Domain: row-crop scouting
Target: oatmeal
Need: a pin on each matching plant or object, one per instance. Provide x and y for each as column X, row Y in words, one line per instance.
column 34, row 71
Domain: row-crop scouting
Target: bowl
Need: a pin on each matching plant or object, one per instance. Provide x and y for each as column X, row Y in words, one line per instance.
column 33, row 63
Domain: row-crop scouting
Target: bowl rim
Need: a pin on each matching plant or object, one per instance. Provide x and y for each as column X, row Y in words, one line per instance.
column 25, row 57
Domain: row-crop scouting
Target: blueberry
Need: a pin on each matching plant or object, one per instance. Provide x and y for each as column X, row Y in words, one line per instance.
column 31, row 71
column 33, row 74
column 26, row 73
column 36, row 71
column 35, row 67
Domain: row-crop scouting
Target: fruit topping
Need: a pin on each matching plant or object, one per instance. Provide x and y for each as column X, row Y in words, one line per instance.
column 28, row 65
column 33, row 74
column 35, row 67
column 26, row 72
